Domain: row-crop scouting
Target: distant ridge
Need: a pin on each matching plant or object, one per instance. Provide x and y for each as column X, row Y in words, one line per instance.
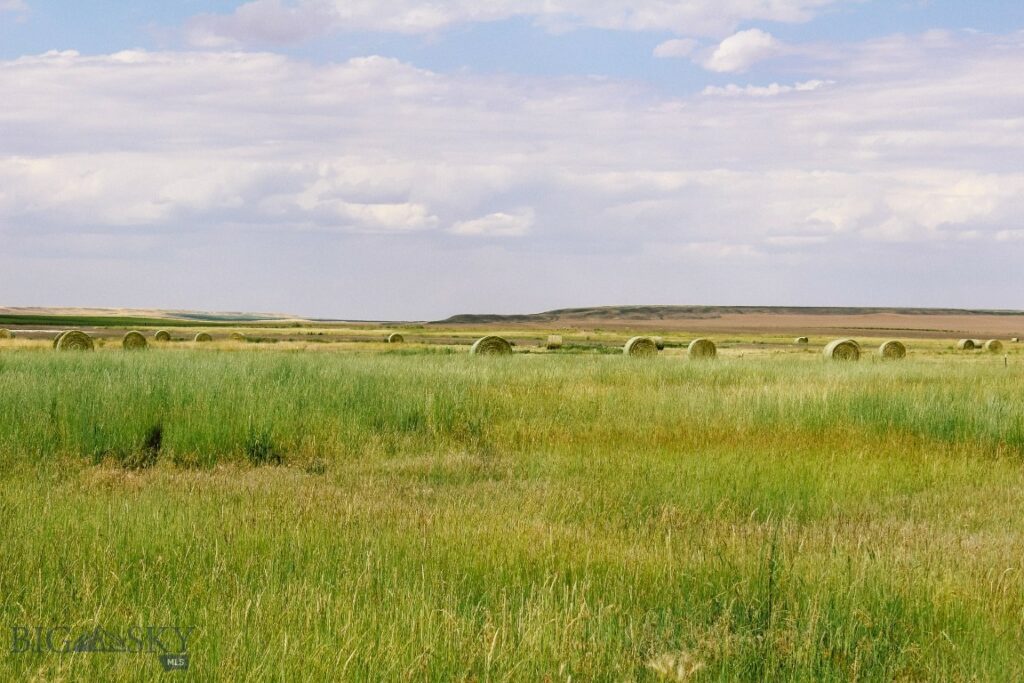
column 653, row 313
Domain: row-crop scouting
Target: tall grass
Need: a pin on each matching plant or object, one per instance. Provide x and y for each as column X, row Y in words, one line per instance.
column 338, row 406
column 542, row 517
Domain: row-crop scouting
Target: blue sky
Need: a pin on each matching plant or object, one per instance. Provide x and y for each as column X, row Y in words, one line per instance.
column 507, row 157
column 516, row 45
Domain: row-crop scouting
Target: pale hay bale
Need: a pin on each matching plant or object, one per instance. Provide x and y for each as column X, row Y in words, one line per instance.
column 554, row 342
column 659, row 342
column 966, row 345
column 134, row 341
column 702, row 349
column 237, row 336
column 203, row 337
column 994, row 346
column 802, row 341
column 842, row 349
column 75, row 340
column 1016, row 340
column 395, row 338
column 162, row 336
column 892, row 350
column 491, row 346
column 56, row 340
column 640, row 347
column 6, row 334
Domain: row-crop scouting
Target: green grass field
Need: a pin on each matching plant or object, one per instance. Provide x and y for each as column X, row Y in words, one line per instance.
column 413, row 515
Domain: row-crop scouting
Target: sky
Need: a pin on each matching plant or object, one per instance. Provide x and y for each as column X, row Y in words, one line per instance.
column 411, row 160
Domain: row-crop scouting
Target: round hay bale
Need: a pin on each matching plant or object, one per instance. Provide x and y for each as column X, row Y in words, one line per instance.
column 6, row 334
column 1016, row 340
column 395, row 338
column 75, row 340
column 702, row 349
column 966, row 345
column 162, row 336
column 491, row 346
column 56, row 340
column 994, row 346
column 640, row 347
column 892, row 350
column 659, row 342
column 237, row 336
column 134, row 341
column 842, row 349
column 203, row 337
column 802, row 341
column 554, row 342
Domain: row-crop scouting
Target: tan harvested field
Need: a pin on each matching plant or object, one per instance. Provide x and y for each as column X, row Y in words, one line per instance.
column 913, row 325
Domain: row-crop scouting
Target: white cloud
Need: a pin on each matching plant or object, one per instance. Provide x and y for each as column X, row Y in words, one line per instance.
column 19, row 8
column 706, row 250
column 742, row 50
column 497, row 225
column 225, row 160
column 283, row 21
column 733, row 90
column 678, row 47
column 796, row 240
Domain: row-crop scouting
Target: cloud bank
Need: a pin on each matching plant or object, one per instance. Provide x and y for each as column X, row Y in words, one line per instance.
column 280, row 21
column 217, row 177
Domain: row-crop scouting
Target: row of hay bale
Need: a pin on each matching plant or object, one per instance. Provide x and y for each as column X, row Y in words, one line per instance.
column 644, row 346
column 992, row 345
column 704, row 349
column 638, row 347
column 77, row 340
column 850, row 349
column 840, row 349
